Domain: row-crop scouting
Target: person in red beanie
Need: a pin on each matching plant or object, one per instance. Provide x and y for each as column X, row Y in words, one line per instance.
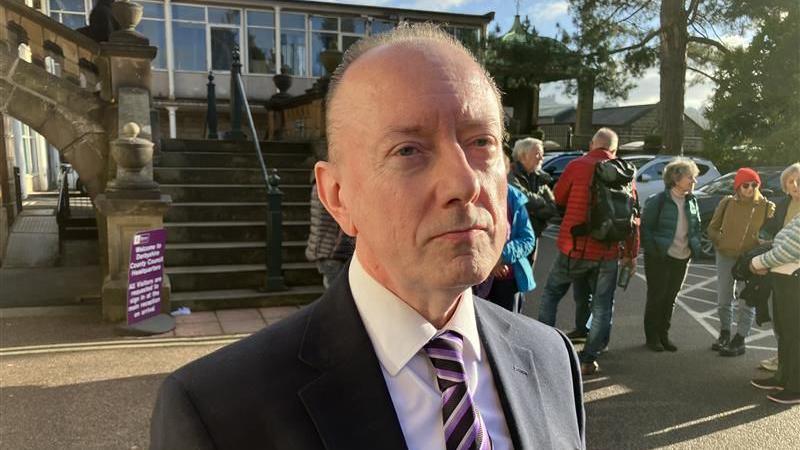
column 734, row 231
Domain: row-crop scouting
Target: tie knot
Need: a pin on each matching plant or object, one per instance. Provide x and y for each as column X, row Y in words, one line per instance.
column 449, row 341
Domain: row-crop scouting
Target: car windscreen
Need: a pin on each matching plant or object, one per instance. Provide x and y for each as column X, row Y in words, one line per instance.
column 721, row 186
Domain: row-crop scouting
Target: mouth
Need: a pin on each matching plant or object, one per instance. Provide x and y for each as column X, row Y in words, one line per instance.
column 463, row 233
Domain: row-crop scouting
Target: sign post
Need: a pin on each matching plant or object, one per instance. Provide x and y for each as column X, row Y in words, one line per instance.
column 145, row 277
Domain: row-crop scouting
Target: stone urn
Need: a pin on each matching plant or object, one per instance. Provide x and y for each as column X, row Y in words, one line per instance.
column 132, row 155
column 283, row 81
column 127, row 14
column 330, row 58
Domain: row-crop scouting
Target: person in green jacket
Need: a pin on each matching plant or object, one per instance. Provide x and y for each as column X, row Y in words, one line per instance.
column 670, row 237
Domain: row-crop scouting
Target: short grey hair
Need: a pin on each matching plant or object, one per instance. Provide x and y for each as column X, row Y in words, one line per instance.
column 606, row 138
column 523, row 146
column 677, row 169
column 794, row 169
column 408, row 35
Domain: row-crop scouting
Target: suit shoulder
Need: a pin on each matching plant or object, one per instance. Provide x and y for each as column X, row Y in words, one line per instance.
column 275, row 345
column 528, row 330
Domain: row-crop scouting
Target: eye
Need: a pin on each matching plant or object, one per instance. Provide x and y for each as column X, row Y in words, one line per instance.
column 482, row 142
column 407, row 151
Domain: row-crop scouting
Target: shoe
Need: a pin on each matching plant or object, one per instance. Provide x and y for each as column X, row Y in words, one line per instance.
column 655, row 346
column 588, row 369
column 668, row 345
column 577, row 336
column 768, row 384
column 785, row 397
column 722, row 340
column 770, row 364
column 734, row 348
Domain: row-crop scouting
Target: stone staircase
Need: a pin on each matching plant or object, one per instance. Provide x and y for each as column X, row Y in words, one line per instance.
column 215, row 254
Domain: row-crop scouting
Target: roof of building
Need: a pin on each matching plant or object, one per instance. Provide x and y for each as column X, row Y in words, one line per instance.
column 389, row 11
column 610, row 116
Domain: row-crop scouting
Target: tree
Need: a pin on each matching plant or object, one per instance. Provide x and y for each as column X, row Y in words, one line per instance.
column 755, row 111
column 609, row 29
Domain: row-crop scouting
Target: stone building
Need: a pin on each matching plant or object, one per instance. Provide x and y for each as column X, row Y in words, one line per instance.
column 632, row 123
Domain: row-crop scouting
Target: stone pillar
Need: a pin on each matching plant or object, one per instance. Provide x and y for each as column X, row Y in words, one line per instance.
column 584, row 128
column 535, row 107
column 8, row 205
column 132, row 202
column 173, row 123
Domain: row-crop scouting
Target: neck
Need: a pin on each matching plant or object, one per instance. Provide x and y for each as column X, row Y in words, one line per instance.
column 435, row 305
column 678, row 192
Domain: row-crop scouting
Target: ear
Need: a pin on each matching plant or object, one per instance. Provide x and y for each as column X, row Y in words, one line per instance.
column 330, row 194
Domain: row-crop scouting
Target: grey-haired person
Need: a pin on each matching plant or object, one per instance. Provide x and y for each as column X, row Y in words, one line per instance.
column 670, row 237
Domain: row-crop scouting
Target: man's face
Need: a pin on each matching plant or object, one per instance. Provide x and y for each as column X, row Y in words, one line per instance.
column 534, row 159
column 418, row 172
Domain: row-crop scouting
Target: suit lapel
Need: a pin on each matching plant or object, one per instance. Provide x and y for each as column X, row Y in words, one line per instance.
column 516, row 380
column 349, row 403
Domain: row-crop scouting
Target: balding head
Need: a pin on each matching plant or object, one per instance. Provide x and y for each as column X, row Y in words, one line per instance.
column 409, row 37
column 605, row 138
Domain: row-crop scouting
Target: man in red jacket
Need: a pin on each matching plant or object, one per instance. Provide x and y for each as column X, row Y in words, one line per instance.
column 582, row 259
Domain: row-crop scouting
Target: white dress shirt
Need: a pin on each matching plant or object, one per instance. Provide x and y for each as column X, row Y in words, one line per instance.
column 398, row 334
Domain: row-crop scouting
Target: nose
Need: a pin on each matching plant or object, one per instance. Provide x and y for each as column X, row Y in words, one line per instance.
column 459, row 183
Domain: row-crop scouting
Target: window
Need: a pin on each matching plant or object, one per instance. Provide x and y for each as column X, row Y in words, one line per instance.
column 224, row 26
column 189, row 37
column 152, row 26
column 324, row 36
column 260, row 42
column 71, row 13
column 656, row 170
column 293, row 43
column 470, row 37
column 702, row 169
column 353, row 29
column 382, row 26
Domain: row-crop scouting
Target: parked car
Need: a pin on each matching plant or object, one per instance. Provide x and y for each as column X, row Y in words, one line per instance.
column 709, row 196
column 555, row 163
column 650, row 169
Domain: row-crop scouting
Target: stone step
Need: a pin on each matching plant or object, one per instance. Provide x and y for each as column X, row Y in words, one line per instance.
column 224, row 175
column 238, row 276
column 220, row 253
column 233, row 211
column 244, row 298
column 183, row 232
column 228, row 159
column 79, row 232
column 233, row 192
column 207, row 145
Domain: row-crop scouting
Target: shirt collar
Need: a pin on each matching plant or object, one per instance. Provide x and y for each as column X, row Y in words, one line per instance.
column 396, row 330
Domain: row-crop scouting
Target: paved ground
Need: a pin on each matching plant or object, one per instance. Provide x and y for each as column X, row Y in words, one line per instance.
column 67, row 381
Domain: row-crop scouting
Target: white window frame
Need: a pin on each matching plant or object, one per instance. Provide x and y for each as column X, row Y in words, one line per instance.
column 342, row 34
column 163, row 20
column 307, row 39
column 275, row 40
column 310, row 39
column 210, row 25
column 204, row 22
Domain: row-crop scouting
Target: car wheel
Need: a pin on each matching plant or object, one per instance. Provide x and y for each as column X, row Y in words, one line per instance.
column 706, row 246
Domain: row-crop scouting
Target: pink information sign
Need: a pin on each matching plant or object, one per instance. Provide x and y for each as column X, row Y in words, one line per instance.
column 145, row 275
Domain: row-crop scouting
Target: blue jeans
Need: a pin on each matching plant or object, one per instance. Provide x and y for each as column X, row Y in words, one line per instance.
column 601, row 277
column 726, row 299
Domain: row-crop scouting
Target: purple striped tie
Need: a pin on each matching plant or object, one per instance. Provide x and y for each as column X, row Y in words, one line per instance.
column 463, row 425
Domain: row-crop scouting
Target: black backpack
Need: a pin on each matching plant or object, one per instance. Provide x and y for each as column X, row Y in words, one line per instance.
column 613, row 207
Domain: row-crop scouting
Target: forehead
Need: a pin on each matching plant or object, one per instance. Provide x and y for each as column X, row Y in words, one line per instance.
column 414, row 84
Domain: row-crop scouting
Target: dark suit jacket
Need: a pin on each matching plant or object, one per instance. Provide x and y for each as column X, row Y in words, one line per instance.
column 313, row 381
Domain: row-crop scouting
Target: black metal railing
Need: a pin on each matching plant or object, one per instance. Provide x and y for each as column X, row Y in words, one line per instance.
column 210, row 131
column 63, row 212
column 274, row 240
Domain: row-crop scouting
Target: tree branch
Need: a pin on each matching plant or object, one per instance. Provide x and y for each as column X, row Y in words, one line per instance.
column 640, row 44
column 711, row 42
column 710, row 77
column 692, row 10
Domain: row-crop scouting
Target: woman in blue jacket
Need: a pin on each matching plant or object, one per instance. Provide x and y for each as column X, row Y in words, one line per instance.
column 513, row 275
column 670, row 237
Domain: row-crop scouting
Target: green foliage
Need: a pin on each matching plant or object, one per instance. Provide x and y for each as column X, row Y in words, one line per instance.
column 755, row 111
